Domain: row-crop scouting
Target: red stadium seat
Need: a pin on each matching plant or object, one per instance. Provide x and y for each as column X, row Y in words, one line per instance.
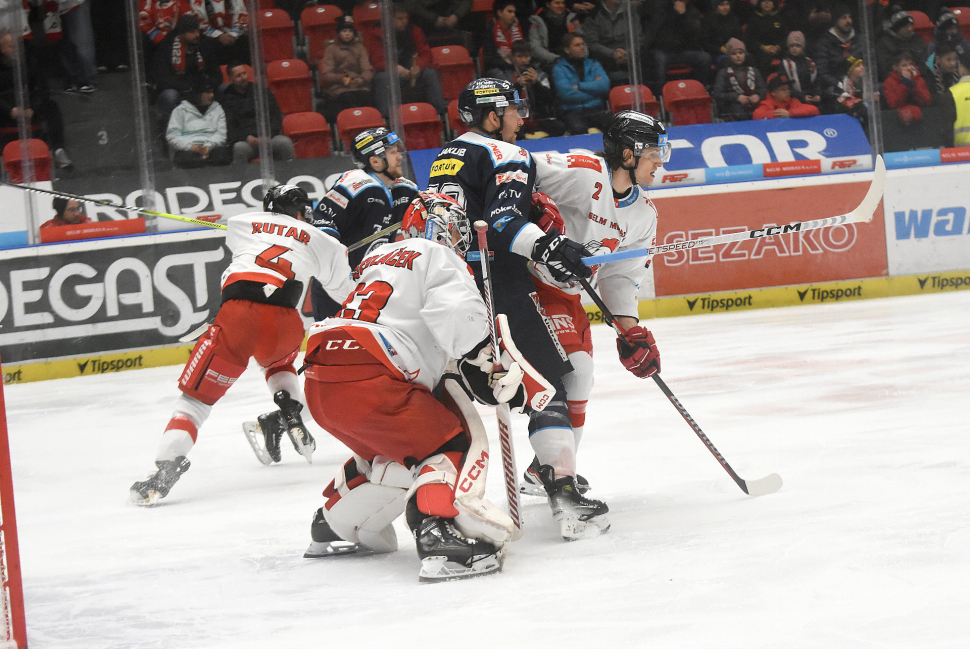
column 319, row 26
column 455, row 67
column 13, row 160
column 249, row 73
column 688, row 102
column 923, row 25
column 277, row 31
column 422, row 126
column 291, row 84
column 367, row 15
column 963, row 19
column 623, row 98
column 352, row 121
column 483, row 6
column 454, row 120
column 267, row 4
column 310, row 134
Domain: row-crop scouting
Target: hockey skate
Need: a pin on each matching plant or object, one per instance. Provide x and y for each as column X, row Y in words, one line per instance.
column 326, row 542
column 290, row 409
column 264, row 436
column 447, row 554
column 158, row 485
column 532, row 483
column 579, row 517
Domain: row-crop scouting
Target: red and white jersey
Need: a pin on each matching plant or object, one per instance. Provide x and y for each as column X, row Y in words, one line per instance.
column 415, row 307
column 582, row 187
column 272, row 248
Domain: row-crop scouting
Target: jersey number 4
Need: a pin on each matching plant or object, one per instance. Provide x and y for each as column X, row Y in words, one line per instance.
column 272, row 258
column 366, row 302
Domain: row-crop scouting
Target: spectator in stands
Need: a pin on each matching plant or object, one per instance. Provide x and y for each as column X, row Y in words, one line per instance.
column 811, row 17
column 419, row 82
column 197, row 132
column 956, row 112
column 67, row 211
column 582, row 85
column 533, row 84
column 607, row 31
column 678, row 42
column 546, row 30
column 77, row 46
column 719, row 26
column 42, row 110
column 225, row 27
column 179, row 65
column 442, row 20
column 504, row 30
column 846, row 96
column 780, row 103
column 583, row 10
column 835, row 46
column 345, row 71
column 899, row 37
column 947, row 31
column 905, row 89
column 739, row 86
column 765, row 34
column 238, row 100
column 801, row 70
column 946, row 73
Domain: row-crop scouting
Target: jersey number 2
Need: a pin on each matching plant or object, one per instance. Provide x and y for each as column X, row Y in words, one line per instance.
column 272, row 258
column 366, row 302
column 596, row 194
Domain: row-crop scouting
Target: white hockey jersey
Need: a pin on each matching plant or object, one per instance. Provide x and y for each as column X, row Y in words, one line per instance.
column 272, row 248
column 582, row 187
column 420, row 301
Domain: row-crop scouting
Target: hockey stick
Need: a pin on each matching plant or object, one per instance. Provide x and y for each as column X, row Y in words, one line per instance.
column 862, row 214
column 768, row 484
column 502, row 413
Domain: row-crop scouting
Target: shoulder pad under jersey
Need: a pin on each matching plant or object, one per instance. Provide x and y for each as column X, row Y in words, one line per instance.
column 354, row 182
column 500, row 152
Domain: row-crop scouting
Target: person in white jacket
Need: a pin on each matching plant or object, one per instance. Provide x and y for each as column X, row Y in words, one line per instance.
column 197, row 132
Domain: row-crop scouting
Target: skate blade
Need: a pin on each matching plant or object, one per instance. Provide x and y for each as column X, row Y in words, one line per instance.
column 529, row 489
column 322, row 550
column 136, row 498
column 306, row 450
column 434, row 569
column 254, row 435
column 574, row 529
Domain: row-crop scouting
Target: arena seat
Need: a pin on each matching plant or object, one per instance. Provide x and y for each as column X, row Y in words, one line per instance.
column 455, row 67
column 687, row 102
column 291, row 84
column 352, row 121
column 963, row 19
column 367, row 15
column 623, row 98
column 310, row 134
column 277, row 31
column 923, row 25
column 13, row 160
column 422, row 126
column 319, row 25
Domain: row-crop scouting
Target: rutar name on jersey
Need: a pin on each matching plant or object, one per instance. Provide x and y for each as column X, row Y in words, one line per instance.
column 400, row 258
column 278, row 228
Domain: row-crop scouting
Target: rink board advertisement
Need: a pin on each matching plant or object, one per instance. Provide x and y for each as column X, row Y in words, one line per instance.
column 109, row 296
column 823, row 255
column 927, row 219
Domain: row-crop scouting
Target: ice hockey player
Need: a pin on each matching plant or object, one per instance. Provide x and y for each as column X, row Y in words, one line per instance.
column 274, row 253
column 369, row 380
column 493, row 179
column 603, row 205
column 363, row 201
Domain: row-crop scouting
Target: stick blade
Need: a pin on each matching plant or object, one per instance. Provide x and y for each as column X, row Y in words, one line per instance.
column 866, row 209
column 766, row 485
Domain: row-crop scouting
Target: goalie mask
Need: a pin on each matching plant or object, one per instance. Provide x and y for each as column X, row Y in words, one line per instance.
column 438, row 218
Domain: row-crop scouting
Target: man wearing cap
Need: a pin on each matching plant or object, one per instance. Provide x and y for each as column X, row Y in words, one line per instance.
column 180, row 66
column 835, row 46
column 899, row 37
column 780, row 103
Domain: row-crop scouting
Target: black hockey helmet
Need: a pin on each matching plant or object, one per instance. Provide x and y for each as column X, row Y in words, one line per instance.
column 288, row 200
column 630, row 129
column 483, row 96
column 373, row 142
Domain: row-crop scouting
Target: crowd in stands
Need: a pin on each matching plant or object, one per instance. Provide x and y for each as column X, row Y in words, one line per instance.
column 755, row 59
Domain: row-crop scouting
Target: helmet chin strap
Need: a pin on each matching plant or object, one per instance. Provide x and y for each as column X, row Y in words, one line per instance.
column 633, row 169
column 497, row 133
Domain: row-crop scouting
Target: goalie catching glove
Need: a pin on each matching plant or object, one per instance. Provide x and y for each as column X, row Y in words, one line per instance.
column 638, row 352
column 514, row 382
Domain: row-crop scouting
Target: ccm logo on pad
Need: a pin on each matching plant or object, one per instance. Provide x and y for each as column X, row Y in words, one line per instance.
column 342, row 344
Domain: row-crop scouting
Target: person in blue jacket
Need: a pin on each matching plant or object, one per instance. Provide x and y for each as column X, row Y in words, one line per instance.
column 583, row 86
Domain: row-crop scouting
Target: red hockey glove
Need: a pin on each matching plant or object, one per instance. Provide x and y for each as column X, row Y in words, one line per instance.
column 545, row 213
column 638, row 352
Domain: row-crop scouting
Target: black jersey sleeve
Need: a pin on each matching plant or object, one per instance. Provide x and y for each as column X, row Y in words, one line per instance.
column 334, row 213
column 507, row 200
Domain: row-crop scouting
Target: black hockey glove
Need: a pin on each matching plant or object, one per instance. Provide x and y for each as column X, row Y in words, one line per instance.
column 481, row 382
column 562, row 256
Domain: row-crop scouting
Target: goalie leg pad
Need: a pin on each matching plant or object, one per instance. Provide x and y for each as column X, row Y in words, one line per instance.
column 362, row 510
column 207, row 377
column 538, row 391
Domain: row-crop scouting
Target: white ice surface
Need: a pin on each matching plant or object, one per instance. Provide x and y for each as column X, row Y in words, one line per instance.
column 862, row 407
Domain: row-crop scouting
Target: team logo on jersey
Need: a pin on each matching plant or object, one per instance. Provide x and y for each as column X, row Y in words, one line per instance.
column 512, row 176
column 446, row 167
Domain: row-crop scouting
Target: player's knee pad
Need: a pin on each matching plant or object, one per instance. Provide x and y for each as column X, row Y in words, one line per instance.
column 207, row 377
column 579, row 382
column 365, row 498
column 555, row 415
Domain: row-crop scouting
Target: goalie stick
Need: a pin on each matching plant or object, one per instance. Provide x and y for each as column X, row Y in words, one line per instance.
column 766, row 485
column 862, row 214
column 502, row 413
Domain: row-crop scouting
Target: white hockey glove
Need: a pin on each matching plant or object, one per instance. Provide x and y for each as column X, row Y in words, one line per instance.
column 488, row 385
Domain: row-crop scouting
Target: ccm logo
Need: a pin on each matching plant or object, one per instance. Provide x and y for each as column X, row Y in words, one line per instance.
column 342, row 344
column 673, row 178
column 843, row 164
column 542, row 402
column 474, row 473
